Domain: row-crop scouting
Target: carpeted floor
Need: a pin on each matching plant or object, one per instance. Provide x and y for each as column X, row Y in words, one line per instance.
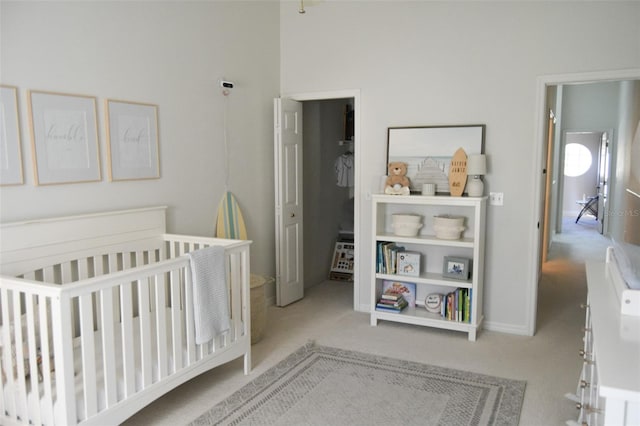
column 319, row 385
column 548, row 361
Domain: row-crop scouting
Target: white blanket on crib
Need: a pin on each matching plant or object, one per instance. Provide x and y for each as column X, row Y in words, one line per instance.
column 210, row 297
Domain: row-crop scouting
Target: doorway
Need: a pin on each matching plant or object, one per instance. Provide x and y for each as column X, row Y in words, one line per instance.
column 585, row 177
column 625, row 112
column 328, row 190
column 332, row 208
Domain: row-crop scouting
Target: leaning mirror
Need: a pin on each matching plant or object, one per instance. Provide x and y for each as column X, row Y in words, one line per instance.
column 428, row 150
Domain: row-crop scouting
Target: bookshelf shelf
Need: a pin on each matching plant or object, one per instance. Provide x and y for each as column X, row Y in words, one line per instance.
column 433, row 252
column 427, row 278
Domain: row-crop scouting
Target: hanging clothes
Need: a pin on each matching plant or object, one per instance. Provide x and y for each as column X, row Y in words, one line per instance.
column 344, row 170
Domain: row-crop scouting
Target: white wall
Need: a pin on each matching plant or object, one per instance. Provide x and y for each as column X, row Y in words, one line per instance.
column 421, row 63
column 414, row 62
column 170, row 54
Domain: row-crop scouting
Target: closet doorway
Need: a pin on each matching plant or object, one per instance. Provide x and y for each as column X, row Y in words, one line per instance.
column 329, row 188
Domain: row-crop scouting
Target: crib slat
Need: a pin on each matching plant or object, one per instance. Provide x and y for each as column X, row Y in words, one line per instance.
column 235, row 278
column 46, row 351
column 108, row 347
column 8, row 405
column 21, row 393
column 65, row 273
column 189, row 318
column 127, row 339
column 48, row 275
column 87, row 339
column 87, row 346
column 245, row 315
column 63, row 348
column 161, row 328
column 145, row 333
column 176, row 318
column 112, row 264
column 34, row 412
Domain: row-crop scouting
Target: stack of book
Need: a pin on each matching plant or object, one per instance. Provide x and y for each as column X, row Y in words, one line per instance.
column 391, row 302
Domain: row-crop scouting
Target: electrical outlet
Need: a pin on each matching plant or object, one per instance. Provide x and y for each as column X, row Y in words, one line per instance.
column 496, row 198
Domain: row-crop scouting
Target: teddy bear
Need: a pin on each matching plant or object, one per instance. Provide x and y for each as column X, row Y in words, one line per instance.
column 397, row 182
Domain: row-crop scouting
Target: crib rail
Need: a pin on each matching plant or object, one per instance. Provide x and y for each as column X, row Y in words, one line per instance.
column 83, row 338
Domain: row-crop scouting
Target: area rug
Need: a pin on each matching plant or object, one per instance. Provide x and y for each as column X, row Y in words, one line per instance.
column 319, row 385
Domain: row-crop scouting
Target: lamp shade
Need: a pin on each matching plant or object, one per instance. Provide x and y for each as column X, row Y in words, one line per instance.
column 477, row 164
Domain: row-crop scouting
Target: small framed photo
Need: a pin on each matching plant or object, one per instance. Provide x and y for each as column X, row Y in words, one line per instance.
column 458, row 268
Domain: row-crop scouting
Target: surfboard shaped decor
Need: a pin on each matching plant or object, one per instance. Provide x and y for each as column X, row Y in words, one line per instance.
column 230, row 223
column 458, row 173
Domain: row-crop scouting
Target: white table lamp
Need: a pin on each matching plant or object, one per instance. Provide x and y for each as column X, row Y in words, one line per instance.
column 476, row 167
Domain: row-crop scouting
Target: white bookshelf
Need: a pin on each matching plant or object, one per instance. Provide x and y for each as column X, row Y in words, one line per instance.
column 433, row 251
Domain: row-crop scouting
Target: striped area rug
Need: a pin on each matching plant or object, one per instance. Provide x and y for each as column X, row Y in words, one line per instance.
column 322, row 386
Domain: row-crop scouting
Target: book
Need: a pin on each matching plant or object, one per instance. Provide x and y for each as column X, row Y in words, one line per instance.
column 386, row 309
column 409, row 263
column 391, row 296
column 392, row 303
column 390, row 306
column 407, row 290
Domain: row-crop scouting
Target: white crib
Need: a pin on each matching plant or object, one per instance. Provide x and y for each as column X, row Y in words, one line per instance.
column 96, row 315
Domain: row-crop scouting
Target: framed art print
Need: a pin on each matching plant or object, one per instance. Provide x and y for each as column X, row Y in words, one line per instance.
column 64, row 138
column 132, row 140
column 10, row 152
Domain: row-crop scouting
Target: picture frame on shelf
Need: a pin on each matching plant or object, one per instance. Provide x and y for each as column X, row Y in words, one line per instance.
column 64, row 138
column 458, row 268
column 11, row 153
column 132, row 140
column 408, row 263
column 428, row 150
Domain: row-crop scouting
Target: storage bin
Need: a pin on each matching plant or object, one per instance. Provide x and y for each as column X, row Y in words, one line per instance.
column 258, row 306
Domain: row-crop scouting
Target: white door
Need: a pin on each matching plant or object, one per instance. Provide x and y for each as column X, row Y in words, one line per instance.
column 288, row 192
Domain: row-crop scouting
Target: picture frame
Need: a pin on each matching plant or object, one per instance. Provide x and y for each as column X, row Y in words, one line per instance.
column 64, row 138
column 458, row 268
column 11, row 172
column 428, row 150
column 132, row 140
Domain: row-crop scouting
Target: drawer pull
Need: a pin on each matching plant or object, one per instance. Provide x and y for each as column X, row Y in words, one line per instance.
column 588, row 409
column 584, row 384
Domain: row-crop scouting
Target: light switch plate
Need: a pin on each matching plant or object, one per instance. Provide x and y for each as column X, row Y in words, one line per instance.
column 496, row 198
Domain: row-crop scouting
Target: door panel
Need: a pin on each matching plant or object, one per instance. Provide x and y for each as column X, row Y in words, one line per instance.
column 603, row 182
column 288, row 190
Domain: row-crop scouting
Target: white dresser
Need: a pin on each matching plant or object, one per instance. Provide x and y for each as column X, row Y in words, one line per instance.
column 608, row 391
